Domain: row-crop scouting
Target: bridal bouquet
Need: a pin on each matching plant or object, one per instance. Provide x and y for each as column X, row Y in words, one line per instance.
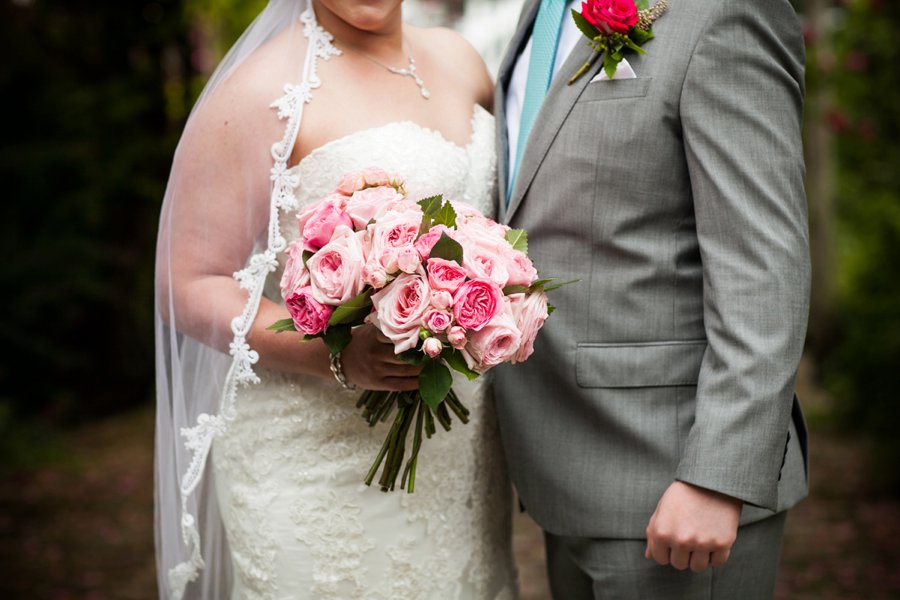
column 449, row 287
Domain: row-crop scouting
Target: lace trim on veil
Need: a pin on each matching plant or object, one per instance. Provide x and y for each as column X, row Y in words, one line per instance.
column 199, row 439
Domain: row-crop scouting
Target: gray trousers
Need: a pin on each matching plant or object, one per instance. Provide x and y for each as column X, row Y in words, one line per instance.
column 601, row 569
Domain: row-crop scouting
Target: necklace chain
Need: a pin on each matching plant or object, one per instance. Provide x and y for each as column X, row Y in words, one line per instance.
column 409, row 71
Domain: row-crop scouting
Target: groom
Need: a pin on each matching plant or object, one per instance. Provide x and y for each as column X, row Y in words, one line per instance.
column 654, row 434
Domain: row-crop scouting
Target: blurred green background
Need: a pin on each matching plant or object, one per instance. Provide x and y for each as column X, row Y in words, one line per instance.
column 95, row 96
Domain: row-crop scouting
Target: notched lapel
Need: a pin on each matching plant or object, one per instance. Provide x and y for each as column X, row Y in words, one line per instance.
column 558, row 103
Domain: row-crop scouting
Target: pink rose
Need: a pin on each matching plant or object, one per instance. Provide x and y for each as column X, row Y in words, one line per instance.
column 520, row 268
column 365, row 204
column 317, row 230
column 476, row 302
column 530, row 312
column 436, row 320
column 374, row 275
column 295, row 275
column 392, row 231
column 358, row 180
column 432, row 347
column 497, row 342
column 456, row 335
column 610, row 16
column 445, row 275
column 398, row 310
column 440, row 299
column 408, row 259
column 485, row 264
column 335, row 271
column 309, row 316
column 427, row 240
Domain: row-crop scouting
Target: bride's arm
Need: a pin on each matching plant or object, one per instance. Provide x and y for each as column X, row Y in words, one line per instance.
column 217, row 209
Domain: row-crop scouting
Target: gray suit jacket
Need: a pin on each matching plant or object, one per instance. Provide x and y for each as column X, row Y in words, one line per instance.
column 677, row 198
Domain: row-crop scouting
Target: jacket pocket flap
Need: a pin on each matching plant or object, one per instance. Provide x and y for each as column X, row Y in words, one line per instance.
column 650, row 364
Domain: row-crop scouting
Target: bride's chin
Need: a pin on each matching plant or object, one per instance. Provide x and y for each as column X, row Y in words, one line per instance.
column 366, row 15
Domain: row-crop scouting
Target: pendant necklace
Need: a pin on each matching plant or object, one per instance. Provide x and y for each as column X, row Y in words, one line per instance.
column 409, row 71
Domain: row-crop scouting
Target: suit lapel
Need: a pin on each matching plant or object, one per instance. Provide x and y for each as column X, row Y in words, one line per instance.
column 557, row 105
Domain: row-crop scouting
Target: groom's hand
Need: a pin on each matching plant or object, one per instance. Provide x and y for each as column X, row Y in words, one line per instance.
column 692, row 527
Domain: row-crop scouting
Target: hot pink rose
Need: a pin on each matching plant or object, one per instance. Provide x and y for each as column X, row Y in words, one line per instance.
column 393, row 231
column 445, row 275
column 476, row 302
column 318, row 229
column 520, row 268
column 358, row 180
column 309, row 316
column 365, row 204
column 432, row 347
column 456, row 335
column 530, row 312
column 496, row 342
column 427, row 240
column 436, row 320
column 335, row 271
column 398, row 310
column 610, row 16
column 295, row 275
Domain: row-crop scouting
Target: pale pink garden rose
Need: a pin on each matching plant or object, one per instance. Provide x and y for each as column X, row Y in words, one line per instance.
column 481, row 263
column 456, row 335
column 495, row 343
column 335, row 271
column 307, row 313
column 374, row 274
column 398, row 310
column 318, row 229
column 365, row 204
column 358, row 180
column 432, row 347
column 529, row 312
column 520, row 268
column 464, row 211
column 295, row 275
column 393, row 231
column 446, row 275
column 408, row 259
column 476, row 302
column 427, row 240
column 436, row 320
column 440, row 299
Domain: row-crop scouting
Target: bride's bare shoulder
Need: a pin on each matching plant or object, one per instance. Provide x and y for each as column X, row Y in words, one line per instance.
column 457, row 61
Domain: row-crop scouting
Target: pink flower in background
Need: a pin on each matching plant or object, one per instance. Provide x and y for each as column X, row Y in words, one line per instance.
column 437, row 320
column 520, row 268
column 295, row 275
column 364, row 204
column 456, row 335
column 399, row 308
column 321, row 224
column 335, row 271
column 485, row 264
column 530, row 312
column 358, row 180
column 427, row 241
column 476, row 302
column 432, row 347
column 307, row 313
column 374, row 274
column 495, row 343
column 446, row 275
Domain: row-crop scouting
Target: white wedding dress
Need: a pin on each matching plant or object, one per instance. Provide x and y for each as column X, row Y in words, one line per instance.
column 289, row 468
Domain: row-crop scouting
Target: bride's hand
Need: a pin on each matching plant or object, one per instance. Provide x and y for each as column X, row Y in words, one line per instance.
column 369, row 362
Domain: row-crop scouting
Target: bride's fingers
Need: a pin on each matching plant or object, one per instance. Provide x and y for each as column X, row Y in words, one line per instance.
column 401, row 384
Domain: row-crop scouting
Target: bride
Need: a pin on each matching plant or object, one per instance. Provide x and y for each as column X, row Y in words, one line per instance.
column 260, row 449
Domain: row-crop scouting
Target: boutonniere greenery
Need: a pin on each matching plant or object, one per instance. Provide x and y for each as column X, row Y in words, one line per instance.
column 614, row 26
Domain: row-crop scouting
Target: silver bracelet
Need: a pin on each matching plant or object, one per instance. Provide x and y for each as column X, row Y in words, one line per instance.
column 338, row 372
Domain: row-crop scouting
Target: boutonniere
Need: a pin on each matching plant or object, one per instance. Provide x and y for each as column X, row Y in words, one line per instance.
column 612, row 26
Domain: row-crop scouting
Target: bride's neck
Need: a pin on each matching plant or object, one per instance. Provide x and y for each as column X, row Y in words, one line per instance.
column 379, row 35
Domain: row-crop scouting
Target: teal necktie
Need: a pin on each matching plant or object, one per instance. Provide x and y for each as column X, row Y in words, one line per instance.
column 544, row 39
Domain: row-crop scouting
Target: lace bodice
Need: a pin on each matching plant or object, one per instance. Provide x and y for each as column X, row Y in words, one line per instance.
column 289, row 468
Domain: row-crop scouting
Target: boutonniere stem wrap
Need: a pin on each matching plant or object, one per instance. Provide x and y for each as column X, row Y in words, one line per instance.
column 614, row 26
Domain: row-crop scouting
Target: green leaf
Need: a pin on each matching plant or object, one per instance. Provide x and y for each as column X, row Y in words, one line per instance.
column 610, row 64
column 550, row 309
column 518, row 238
column 448, row 249
column 435, row 382
column 454, row 358
column 337, row 338
column 306, row 256
column 584, row 25
column 640, row 36
column 431, row 206
column 353, row 310
column 446, row 216
column 412, row 356
column 515, row 289
column 556, row 286
column 282, row 325
column 540, row 283
column 630, row 43
column 642, row 4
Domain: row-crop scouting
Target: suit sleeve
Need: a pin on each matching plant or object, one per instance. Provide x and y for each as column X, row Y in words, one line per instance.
column 741, row 113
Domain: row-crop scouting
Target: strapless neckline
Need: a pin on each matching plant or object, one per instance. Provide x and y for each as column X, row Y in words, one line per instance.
column 403, row 124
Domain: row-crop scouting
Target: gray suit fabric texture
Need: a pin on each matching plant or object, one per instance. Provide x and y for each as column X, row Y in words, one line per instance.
column 677, row 198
